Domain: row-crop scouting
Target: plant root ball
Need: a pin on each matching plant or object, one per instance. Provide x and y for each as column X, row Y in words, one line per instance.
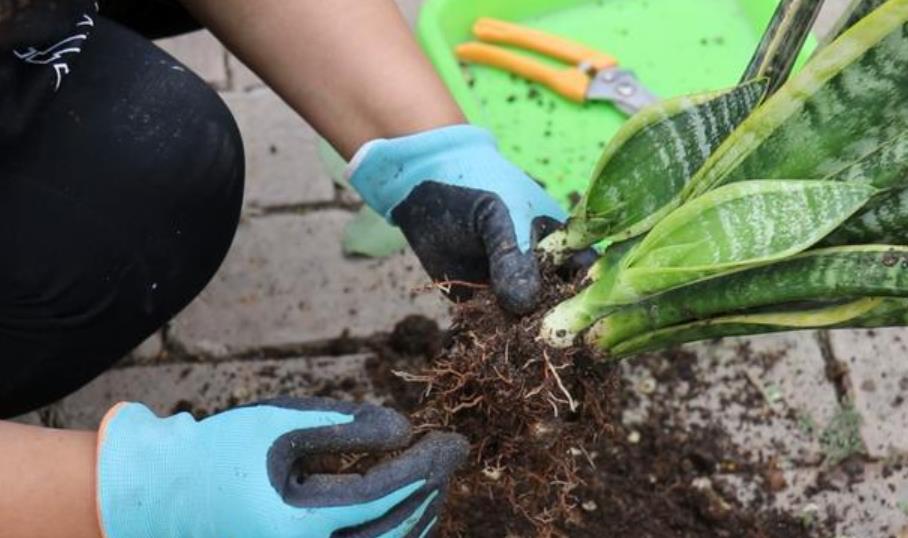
column 532, row 413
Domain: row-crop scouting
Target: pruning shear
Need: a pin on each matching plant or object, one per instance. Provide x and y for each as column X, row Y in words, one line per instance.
column 595, row 77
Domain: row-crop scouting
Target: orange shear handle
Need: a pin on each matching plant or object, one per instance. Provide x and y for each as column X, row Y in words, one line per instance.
column 506, row 33
column 571, row 83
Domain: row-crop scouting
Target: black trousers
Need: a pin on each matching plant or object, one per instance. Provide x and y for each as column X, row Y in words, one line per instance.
column 121, row 182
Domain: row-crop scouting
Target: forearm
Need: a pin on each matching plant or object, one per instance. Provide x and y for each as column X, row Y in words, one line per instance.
column 48, row 479
column 350, row 67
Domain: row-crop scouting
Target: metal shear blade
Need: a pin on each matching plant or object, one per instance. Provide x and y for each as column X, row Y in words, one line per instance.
column 621, row 87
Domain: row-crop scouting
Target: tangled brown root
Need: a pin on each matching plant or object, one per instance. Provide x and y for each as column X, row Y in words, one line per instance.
column 533, row 414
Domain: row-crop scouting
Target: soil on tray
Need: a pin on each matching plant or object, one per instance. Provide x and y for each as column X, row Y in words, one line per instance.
column 550, row 456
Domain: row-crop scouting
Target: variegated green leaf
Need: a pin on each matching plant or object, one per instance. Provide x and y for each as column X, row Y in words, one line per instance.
column 562, row 324
column 855, row 11
column 782, row 41
column 738, row 225
column 850, row 313
column 886, row 167
column 893, row 312
column 848, row 101
column 884, row 220
column 650, row 160
column 731, row 228
column 833, row 274
column 611, row 258
column 885, row 312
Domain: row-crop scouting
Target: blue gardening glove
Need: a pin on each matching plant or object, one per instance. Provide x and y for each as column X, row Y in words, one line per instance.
column 469, row 214
column 233, row 474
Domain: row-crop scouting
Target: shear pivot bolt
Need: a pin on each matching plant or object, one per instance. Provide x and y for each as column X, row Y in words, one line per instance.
column 626, row 89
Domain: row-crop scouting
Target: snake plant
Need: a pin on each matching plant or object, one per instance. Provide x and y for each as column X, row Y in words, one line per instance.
column 659, row 148
column 775, row 55
column 740, row 212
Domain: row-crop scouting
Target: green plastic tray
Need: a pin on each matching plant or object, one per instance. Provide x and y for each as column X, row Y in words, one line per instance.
column 676, row 47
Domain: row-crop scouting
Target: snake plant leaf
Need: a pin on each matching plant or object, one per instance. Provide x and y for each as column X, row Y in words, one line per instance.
column 562, row 324
column 855, row 11
column 852, row 313
column 884, row 220
column 892, row 312
column 832, row 274
column 611, row 258
column 782, row 41
column 728, row 229
column 846, row 102
column 739, row 225
column 871, row 313
column 649, row 161
column 886, row 167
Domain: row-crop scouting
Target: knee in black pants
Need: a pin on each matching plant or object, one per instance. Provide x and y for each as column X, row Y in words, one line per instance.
column 117, row 205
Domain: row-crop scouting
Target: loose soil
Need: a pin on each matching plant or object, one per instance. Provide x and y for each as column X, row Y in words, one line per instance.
column 550, row 454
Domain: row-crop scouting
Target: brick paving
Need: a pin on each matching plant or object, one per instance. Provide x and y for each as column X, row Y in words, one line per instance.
column 207, row 387
column 286, row 282
column 286, row 289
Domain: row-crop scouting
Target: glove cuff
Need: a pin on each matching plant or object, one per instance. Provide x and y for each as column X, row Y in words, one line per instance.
column 139, row 472
column 385, row 171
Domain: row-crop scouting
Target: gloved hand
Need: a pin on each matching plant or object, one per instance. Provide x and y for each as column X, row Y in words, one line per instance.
column 233, row 474
column 469, row 214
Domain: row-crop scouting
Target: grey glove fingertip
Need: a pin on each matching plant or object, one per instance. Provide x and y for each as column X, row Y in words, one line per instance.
column 443, row 452
column 514, row 274
column 413, row 518
column 373, row 429
column 580, row 261
column 515, row 280
column 432, row 460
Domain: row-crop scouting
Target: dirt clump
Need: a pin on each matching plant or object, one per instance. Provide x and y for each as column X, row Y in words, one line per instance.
column 534, row 415
column 550, row 455
column 417, row 335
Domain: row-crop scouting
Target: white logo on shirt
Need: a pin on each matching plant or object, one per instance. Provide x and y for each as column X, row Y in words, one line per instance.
column 56, row 54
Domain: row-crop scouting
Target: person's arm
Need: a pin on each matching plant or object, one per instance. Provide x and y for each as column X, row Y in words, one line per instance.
column 350, row 67
column 234, row 473
column 354, row 71
column 48, row 479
